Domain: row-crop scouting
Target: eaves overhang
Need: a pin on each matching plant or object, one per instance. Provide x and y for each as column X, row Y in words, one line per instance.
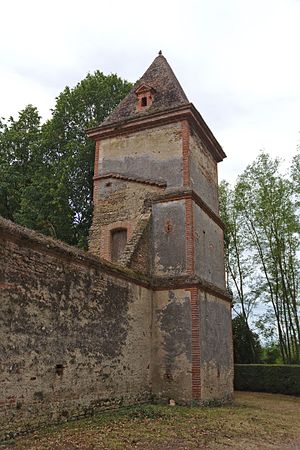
column 150, row 120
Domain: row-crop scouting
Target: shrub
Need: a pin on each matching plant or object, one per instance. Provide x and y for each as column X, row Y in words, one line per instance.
column 282, row 379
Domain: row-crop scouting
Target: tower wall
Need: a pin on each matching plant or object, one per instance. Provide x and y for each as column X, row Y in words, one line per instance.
column 169, row 245
column 153, row 153
column 117, row 204
column 172, row 346
column 168, row 141
column 216, row 353
column 152, row 157
column 209, row 248
column 203, row 172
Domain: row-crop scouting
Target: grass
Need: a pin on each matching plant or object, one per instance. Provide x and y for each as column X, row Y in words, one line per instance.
column 254, row 421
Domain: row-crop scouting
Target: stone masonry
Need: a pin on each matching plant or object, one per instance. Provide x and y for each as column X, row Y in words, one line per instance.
column 81, row 332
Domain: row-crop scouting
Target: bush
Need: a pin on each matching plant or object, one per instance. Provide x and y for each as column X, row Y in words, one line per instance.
column 282, row 379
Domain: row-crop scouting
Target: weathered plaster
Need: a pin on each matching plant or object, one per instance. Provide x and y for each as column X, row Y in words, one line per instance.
column 215, row 348
column 209, row 248
column 55, row 313
column 168, row 238
column 171, row 348
column 203, row 173
column 153, row 153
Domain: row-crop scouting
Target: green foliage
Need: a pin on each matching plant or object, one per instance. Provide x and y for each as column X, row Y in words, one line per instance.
column 46, row 174
column 282, row 379
column 19, row 160
column 271, row 354
column 246, row 345
column 262, row 249
column 295, row 175
column 240, row 271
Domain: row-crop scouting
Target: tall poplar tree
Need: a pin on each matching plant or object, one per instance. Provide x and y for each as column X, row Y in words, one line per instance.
column 264, row 201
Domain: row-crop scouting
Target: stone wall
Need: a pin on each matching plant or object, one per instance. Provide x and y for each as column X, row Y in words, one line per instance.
column 74, row 335
column 216, row 353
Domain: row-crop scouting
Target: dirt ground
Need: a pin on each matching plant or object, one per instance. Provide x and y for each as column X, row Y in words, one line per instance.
column 255, row 421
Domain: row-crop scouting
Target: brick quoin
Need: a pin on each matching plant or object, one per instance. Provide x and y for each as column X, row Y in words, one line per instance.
column 96, row 169
column 196, row 373
column 97, row 150
column 185, row 133
column 189, row 231
column 189, row 236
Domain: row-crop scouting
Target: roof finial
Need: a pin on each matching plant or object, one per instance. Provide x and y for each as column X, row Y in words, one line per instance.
column 160, row 52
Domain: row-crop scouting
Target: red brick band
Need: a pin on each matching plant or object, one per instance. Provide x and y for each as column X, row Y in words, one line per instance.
column 196, row 371
column 96, row 164
column 189, row 236
column 96, row 171
column 185, row 133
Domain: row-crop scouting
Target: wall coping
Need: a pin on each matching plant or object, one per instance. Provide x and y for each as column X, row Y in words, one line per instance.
column 163, row 117
column 17, row 233
column 21, row 235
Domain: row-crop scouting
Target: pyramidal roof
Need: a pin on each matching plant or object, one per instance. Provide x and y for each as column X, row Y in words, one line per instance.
column 167, row 93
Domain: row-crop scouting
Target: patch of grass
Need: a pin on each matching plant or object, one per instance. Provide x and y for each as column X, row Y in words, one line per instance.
column 253, row 421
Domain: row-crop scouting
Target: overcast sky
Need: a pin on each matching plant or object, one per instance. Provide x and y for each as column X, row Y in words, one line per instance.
column 237, row 60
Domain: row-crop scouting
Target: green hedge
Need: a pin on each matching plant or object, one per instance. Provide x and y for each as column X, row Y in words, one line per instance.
column 282, row 379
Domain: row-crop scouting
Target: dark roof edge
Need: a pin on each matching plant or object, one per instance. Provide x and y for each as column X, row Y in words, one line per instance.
column 188, row 112
column 130, row 178
column 15, row 232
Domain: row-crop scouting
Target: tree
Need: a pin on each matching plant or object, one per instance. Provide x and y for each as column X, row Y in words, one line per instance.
column 52, row 165
column 262, row 250
column 19, row 159
column 269, row 214
column 246, row 345
column 238, row 265
column 71, row 155
column 240, row 274
column 295, row 175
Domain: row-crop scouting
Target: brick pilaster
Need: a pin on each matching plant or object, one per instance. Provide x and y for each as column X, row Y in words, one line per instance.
column 189, row 236
column 96, row 170
column 96, row 164
column 185, row 133
column 196, row 371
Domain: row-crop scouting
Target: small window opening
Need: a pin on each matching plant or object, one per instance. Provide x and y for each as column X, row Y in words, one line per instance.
column 168, row 227
column 144, row 101
column 118, row 242
column 108, row 184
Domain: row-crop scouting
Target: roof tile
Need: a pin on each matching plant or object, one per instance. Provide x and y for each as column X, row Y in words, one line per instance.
column 168, row 93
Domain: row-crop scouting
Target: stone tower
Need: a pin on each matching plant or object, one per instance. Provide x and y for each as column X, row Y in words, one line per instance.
column 156, row 212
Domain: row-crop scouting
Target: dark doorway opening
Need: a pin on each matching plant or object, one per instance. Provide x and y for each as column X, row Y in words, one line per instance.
column 118, row 242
